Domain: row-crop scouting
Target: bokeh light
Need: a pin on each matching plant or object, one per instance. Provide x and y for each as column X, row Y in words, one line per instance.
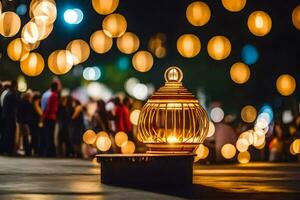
column 121, row 139
column 140, row 91
column 128, row 43
column 296, row 146
column 16, row 50
column 142, row 61
column 249, row 54
column 45, row 9
column 60, row 62
column 105, row 7
column 103, row 142
column 33, row 65
column 91, row 73
column 100, row 42
column 97, row 91
column 248, row 113
column 234, row 5
column 123, row 63
column 201, row 152
column 248, row 135
column 239, row 73
column 89, row 137
column 114, row 25
column 80, row 51
column 228, row 151
column 188, row 45
column 128, row 148
column 198, row 13
column 211, row 129
column 73, row 16
column 216, row 114
column 10, row 24
column 286, row 84
column 134, row 116
column 259, row 23
column 219, row 47
column 296, row 17
column 242, row 144
column 244, row 157
column 21, row 9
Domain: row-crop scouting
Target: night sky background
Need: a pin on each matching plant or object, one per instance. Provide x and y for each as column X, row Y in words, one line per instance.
column 278, row 51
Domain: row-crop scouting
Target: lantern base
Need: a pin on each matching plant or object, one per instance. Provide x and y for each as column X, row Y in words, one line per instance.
column 146, row 169
column 171, row 148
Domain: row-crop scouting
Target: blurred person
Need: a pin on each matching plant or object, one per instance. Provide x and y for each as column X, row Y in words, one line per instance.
column 9, row 103
column 65, row 110
column 50, row 115
column 23, row 119
column 119, row 115
column 100, row 121
column 276, row 144
column 126, row 116
column 77, row 128
column 36, row 123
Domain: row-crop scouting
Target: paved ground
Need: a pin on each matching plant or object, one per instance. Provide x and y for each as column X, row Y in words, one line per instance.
column 59, row 179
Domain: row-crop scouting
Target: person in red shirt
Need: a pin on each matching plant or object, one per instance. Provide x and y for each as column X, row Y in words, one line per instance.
column 118, row 115
column 126, row 116
column 50, row 116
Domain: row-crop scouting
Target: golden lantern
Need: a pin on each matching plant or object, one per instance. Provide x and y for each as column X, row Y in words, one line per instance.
column 105, row 7
column 248, row 114
column 45, row 8
column 219, row 47
column 188, row 45
column 16, row 50
column 172, row 120
column 114, row 25
column 142, row 61
column 60, row 62
column 228, row 151
column 198, row 13
column 239, row 73
column 121, row 139
column 234, row 5
column 100, row 42
column 259, row 23
column 80, row 51
column 10, row 24
column 296, row 17
column 33, row 65
column 128, row 43
column 244, row 157
column 286, row 84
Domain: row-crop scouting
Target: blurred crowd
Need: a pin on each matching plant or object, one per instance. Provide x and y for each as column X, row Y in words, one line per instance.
column 51, row 124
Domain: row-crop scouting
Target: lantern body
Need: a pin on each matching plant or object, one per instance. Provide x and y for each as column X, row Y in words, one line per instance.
column 248, row 114
column 239, row 73
column 114, row 25
column 219, row 47
column 100, row 42
column 80, row 51
column 234, row 5
column 33, row 65
column 172, row 119
column 10, row 24
column 60, row 62
column 142, row 61
column 198, row 13
column 46, row 9
column 188, row 45
column 286, row 84
column 105, row 7
column 296, row 17
column 128, row 43
column 16, row 50
column 259, row 23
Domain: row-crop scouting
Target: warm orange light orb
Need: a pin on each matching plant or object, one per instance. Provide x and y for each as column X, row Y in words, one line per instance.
column 128, row 43
column 103, row 143
column 296, row 17
column 242, row 144
column 114, row 25
column 259, row 23
column 128, row 148
column 188, row 45
column 45, row 9
column 16, row 50
column 218, row 47
column 248, row 135
column 234, row 5
column 286, row 84
column 239, row 73
column 228, row 151
column 248, row 114
column 100, row 42
column 89, row 137
column 142, row 61
column 60, row 62
column 33, row 65
column 10, row 24
column 198, row 13
column 201, row 152
column 80, row 51
column 211, row 129
column 244, row 157
column 121, row 139
column 134, row 116
column 105, row 7
column 296, row 146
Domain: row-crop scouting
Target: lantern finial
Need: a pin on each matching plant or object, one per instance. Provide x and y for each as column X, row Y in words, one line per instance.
column 173, row 75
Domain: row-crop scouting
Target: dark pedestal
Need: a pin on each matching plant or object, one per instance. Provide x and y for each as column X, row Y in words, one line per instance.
column 146, row 169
